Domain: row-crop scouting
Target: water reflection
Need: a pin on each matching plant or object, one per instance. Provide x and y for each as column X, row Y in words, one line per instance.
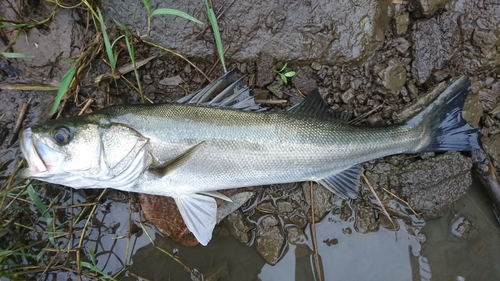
column 344, row 255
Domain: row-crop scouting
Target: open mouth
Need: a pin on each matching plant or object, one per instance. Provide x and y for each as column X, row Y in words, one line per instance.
column 28, row 148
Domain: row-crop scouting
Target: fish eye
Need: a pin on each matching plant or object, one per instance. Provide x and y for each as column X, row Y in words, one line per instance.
column 62, row 135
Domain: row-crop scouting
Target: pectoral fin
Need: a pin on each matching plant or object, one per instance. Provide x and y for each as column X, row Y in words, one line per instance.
column 199, row 213
column 175, row 163
column 344, row 184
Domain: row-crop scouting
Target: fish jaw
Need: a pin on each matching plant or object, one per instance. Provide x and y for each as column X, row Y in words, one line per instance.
column 36, row 165
column 42, row 159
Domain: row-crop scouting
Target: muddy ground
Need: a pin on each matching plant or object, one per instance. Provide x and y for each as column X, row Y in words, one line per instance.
column 372, row 59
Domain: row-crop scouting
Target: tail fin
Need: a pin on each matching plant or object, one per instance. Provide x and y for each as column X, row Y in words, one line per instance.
column 443, row 119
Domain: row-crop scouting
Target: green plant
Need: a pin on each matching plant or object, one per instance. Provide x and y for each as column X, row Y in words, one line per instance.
column 165, row 11
column 285, row 74
column 215, row 27
column 15, row 55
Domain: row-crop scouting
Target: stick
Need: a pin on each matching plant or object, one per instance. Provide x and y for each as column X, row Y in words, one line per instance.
column 19, row 122
column 313, row 229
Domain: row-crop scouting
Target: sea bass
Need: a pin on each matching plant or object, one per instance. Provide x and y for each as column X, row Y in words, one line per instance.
column 218, row 139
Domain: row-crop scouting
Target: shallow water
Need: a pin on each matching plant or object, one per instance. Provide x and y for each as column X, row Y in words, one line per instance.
column 381, row 255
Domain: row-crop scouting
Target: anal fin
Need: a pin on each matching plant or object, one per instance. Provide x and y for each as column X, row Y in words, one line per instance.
column 199, row 213
column 344, row 184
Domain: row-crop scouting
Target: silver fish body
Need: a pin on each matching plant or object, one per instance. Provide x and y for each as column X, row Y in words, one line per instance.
column 189, row 151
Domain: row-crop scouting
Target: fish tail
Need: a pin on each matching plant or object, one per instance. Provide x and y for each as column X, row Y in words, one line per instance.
column 443, row 121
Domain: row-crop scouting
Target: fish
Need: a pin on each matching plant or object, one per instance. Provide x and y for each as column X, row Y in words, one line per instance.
column 218, row 138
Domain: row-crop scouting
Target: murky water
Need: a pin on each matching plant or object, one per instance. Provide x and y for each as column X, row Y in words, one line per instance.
column 344, row 253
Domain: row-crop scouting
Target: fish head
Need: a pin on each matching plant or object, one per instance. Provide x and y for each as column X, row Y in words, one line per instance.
column 83, row 153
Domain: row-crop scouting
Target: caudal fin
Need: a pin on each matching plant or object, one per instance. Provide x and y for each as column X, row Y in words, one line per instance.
column 443, row 121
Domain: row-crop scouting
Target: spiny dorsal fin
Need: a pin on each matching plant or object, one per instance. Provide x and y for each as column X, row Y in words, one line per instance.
column 223, row 92
column 314, row 105
column 175, row 163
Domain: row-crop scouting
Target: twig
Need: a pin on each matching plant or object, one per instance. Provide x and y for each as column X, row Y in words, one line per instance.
column 273, row 102
column 313, row 229
column 87, row 104
column 19, row 122
column 376, row 197
column 400, row 199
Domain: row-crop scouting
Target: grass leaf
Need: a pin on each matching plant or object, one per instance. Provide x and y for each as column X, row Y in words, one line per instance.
column 147, row 4
column 107, row 44
column 41, row 208
column 65, row 82
column 93, row 268
column 174, row 12
column 215, row 27
column 16, row 55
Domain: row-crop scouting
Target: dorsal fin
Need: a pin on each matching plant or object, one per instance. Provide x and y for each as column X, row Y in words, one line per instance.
column 314, row 105
column 223, row 92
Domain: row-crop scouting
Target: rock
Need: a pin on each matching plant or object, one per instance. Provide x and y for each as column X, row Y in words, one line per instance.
column 473, row 109
column 426, row 8
column 269, row 239
column 239, row 227
column 394, row 76
column 402, row 22
column 296, row 236
column 316, row 66
column 304, row 80
column 296, row 31
column 488, row 99
column 265, row 70
column 461, row 227
column 490, row 145
column 171, row 81
column 435, row 42
column 403, row 45
column 430, row 186
column 275, row 88
column 228, row 207
column 322, row 200
column 162, row 212
column 348, row 95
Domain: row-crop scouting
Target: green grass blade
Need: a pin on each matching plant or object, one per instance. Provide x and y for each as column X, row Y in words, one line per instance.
column 65, row 82
column 174, row 12
column 107, row 44
column 95, row 269
column 16, row 56
column 41, row 208
column 215, row 27
column 147, row 4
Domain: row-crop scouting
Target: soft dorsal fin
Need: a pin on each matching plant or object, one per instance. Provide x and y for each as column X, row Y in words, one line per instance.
column 314, row 105
column 175, row 163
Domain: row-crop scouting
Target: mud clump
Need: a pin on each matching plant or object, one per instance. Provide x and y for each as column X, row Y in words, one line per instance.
column 430, row 186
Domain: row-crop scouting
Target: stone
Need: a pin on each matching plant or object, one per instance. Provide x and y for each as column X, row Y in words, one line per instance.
column 402, row 22
column 394, row 76
column 270, row 239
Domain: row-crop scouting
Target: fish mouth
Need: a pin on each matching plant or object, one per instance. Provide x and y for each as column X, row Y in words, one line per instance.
column 30, row 147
